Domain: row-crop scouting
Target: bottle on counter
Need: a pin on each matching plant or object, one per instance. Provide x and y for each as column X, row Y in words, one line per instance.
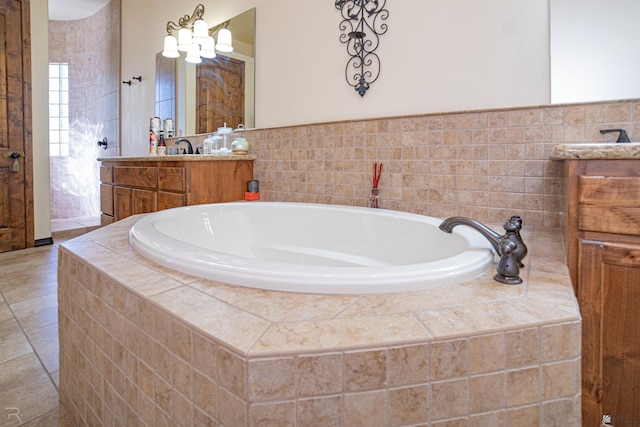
column 168, row 127
column 162, row 146
column 154, row 130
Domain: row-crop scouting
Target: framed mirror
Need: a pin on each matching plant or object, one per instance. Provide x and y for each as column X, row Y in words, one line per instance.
column 203, row 97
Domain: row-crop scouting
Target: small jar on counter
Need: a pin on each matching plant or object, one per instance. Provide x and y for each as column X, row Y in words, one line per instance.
column 240, row 146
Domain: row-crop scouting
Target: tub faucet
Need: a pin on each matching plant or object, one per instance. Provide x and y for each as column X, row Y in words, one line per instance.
column 189, row 146
column 622, row 134
column 509, row 247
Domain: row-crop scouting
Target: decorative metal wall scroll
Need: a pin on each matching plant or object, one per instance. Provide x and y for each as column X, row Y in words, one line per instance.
column 361, row 27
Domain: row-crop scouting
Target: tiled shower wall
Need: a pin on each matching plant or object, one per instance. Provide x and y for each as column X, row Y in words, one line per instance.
column 91, row 47
column 483, row 164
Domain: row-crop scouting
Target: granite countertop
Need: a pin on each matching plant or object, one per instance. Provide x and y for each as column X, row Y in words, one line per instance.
column 597, row 151
column 181, row 158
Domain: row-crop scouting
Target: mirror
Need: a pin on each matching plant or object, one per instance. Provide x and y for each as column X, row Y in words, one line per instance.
column 202, row 97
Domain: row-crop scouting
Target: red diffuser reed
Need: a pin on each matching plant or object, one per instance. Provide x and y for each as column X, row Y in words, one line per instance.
column 375, row 181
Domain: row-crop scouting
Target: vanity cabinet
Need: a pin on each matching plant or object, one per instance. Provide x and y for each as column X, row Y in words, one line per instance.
column 131, row 186
column 603, row 245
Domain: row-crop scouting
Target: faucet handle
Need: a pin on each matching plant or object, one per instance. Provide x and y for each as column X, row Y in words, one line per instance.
column 622, row 137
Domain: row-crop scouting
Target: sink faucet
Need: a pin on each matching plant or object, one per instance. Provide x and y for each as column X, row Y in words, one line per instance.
column 509, row 247
column 622, row 137
column 189, row 146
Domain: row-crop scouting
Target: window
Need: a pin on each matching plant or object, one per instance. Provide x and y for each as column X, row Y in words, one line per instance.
column 58, row 109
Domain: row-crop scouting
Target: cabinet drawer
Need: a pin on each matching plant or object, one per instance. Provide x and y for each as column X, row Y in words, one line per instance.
column 135, row 176
column 106, row 174
column 609, row 204
column 172, row 179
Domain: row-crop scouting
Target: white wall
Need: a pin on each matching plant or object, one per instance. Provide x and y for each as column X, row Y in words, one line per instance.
column 599, row 57
column 40, row 104
column 436, row 56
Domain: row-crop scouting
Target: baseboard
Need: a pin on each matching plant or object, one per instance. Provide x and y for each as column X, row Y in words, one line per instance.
column 44, row 242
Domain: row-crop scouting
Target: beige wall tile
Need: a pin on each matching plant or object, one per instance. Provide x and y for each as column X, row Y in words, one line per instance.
column 409, row 405
column 462, row 422
column 366, row 409
column 558, row 380
column 556, row 342
column 522, row 348
column 524, row 417
column 487, row 392
column 280, row 414
column 321, row 374
column 408, row 365
column 523, row 386
column 231, row 372
column 365, row 370
column 204, row 356
column 559, row 413
column 449, row 399
column 271, row 379
column 205, row 395
column 492, row 419
column 449, row 359
column 319, row 412
column 487, row 353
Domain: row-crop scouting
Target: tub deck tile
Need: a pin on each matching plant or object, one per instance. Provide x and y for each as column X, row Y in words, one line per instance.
column 493, row 317
column 340, row 334
column 212, row 316
column 278, row 306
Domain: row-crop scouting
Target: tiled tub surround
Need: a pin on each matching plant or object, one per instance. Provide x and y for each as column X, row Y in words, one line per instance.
column 485, row 165
column 143, row 345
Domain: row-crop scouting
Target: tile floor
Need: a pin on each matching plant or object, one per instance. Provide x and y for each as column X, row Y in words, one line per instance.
column 29, row 331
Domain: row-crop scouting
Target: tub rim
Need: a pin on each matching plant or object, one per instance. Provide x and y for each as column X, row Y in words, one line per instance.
column 271, row 275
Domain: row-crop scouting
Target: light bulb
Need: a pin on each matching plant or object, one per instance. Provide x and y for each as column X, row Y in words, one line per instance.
column 170, row 47
column 224, row 41
column 207, row 50
column 193, row 54
column 200, row 31
column 184, row 39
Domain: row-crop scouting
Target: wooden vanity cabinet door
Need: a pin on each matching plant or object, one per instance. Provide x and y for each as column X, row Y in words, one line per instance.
column 106, row 204
column 122, row 203
column 143, row 201
column 170, row 200
column 132, row 201
column 609, row 295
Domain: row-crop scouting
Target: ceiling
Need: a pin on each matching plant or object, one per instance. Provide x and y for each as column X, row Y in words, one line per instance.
column 66, row 10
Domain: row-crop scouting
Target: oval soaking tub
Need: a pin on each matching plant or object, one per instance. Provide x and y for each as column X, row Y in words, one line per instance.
column 313, row 248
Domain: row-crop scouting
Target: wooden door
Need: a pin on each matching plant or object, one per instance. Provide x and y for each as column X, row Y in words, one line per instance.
column 16, row 175
column 219, row 93
column 609, row 295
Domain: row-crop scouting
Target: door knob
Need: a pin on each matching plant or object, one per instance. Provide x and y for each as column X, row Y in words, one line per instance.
column 15, row 155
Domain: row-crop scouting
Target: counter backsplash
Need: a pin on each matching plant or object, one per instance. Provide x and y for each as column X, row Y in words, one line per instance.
column 483, row 164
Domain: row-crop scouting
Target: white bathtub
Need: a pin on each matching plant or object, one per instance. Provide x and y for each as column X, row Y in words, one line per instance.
column 311, row 248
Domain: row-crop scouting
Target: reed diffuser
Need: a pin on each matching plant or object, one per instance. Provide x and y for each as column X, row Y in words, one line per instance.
column 375, row 181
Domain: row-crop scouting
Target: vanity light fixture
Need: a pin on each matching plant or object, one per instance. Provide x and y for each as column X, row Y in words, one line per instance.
column 363, row 22
column 191, row 35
